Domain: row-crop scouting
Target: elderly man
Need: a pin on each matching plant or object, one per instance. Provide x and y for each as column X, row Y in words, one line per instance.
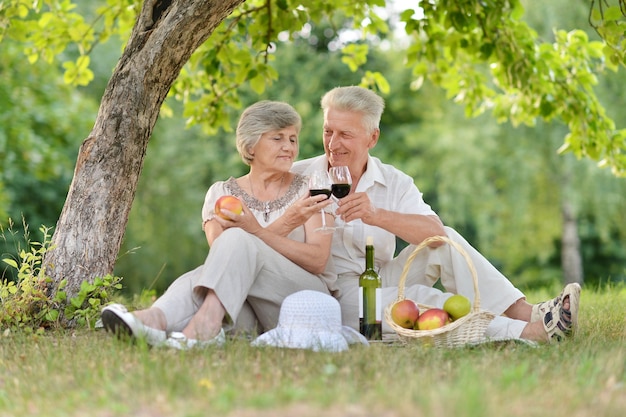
column 385, row 203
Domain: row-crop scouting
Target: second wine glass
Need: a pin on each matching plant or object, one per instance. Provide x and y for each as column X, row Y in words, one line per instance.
column 342, row 181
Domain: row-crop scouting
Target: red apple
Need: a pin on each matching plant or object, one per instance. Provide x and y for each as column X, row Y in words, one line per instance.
column 405, row 313
column 230, row 203
column 432, row 319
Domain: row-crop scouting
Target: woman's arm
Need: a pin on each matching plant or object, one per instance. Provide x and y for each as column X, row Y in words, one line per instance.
column 212, row 229
column 312, row 254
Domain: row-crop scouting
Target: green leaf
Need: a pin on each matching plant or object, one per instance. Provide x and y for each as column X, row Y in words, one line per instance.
column 354, row 55
column 52, row 315
column 10, row 262
column 77, row 301
column 60, row 296
column 258, row 84
column 381, row 83
column 86, row 287
column 613, row 13
column 518, row 10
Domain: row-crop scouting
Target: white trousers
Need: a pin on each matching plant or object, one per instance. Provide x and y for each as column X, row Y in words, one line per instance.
column 496, row 292
column 250, row 278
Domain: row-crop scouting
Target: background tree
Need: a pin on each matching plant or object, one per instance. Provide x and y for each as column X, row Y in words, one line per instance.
column 42, row 120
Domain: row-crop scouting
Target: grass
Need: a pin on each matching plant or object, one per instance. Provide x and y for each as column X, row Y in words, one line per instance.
column 89, row 373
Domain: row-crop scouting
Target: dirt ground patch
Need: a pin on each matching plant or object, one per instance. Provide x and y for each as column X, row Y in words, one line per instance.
column 305, row 410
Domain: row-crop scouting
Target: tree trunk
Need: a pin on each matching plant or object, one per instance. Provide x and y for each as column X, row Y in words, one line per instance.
column 89, row 232
column 571, row 260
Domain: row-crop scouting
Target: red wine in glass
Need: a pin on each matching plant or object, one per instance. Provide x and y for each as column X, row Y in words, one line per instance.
column 320, row 183
column 327, row 192
column 340, row 190
column 342, row 181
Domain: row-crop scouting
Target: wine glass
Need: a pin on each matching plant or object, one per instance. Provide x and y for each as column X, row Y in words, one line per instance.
column 342, row 182
column 320, row 183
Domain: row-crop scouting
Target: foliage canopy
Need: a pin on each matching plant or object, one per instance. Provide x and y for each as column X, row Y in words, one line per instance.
column 482, row 53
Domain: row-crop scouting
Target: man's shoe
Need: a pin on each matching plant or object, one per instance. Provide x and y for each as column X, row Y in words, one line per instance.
column 558, row 322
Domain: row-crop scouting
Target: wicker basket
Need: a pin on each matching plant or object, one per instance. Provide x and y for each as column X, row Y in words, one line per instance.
column 469, row 329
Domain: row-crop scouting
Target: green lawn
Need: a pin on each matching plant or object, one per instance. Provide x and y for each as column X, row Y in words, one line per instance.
column 89, row 373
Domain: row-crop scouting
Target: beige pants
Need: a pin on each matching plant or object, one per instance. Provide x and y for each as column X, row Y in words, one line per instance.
column 250, row 279
column 497, row 293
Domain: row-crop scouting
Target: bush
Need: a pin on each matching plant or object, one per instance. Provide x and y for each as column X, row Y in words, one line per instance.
column 30, row 301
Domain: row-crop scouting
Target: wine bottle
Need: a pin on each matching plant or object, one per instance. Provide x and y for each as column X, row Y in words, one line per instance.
column 370, row 297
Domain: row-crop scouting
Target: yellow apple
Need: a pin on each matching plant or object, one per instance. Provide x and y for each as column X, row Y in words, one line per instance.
column 230, row 203
column 457, row 306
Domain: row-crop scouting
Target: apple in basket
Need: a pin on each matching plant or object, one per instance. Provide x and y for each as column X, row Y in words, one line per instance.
column 432, row 318
column 230, row 203
column 405, row 313
column 457, row 306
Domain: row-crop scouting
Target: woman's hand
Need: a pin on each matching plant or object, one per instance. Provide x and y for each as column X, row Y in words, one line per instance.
column 299, row 213
column 245, row 220
column 313, row 253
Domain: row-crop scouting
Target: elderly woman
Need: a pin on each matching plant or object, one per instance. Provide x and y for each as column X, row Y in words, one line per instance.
column 252, row 264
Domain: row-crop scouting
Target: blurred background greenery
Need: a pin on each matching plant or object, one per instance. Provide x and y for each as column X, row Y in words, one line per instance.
column 504, row 188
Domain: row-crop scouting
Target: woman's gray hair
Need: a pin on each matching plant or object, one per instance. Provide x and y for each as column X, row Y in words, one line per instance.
column 357, row 99
column 260, row 118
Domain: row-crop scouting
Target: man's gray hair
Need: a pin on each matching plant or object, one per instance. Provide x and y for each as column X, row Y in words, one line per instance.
column 357, row 99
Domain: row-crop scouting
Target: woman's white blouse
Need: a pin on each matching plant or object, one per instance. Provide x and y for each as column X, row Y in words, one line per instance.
column 275, row 208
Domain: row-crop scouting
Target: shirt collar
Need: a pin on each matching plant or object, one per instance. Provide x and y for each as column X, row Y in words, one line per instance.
column 372, row 174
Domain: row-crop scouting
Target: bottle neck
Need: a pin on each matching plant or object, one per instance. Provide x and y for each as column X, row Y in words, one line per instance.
column 369, row 257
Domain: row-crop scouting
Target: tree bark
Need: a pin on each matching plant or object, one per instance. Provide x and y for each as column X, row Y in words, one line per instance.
column 571, row 259
column 89, row 232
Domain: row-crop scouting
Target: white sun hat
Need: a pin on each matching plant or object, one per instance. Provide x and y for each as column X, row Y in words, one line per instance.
column 310, row 320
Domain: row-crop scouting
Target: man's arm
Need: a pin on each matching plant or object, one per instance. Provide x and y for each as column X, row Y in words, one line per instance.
column 412, row 228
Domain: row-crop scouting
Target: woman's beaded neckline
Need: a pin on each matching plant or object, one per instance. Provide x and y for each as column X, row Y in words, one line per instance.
column 267, row 207
column 267, row 211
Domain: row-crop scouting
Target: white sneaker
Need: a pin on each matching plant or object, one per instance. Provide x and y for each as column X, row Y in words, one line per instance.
column 178, row 340
column 116, row 319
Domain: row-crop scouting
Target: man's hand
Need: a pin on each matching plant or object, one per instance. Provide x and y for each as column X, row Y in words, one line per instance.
column 412, row 228
column 357, row 206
